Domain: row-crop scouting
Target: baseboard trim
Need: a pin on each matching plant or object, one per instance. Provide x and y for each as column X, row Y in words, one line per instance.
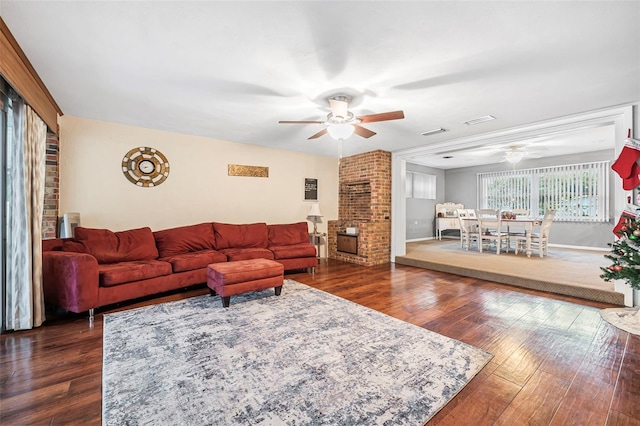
column 420, row 239
column 579, row 247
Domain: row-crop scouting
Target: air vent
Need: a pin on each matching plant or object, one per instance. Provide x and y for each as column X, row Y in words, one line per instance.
column 479, row 120
column 433, row 132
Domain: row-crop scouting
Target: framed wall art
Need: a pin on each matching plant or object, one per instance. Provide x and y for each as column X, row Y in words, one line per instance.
column 247, row 171
column 310, row 189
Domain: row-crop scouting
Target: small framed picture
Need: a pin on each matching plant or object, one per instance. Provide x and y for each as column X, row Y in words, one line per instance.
column 310, row 189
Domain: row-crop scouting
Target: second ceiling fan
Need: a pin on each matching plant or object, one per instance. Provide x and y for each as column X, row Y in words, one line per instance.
column 341, row 123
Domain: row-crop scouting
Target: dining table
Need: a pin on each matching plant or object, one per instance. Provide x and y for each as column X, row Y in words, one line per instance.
column 524, row 223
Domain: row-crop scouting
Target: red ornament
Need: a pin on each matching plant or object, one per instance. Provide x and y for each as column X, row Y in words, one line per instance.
column 623, row 229
column 617, row 268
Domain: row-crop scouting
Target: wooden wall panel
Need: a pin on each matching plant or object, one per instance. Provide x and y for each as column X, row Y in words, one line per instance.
column 17, row 70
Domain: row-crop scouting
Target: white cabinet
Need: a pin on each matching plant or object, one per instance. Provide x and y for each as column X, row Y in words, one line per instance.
column 444, row 223
column 447, row 217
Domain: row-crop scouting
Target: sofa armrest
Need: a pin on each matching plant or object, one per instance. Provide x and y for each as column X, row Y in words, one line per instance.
column 70, row 280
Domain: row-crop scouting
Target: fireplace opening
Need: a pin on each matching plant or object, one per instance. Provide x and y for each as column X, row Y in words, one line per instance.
column 347, row 243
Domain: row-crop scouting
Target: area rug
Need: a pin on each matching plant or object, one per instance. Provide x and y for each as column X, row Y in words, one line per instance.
column 303, row 358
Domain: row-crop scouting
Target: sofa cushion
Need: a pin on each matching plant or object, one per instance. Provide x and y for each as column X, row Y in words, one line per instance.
column 288, row 234
column 195, row 260
column 184, row 239
column 125, row 272
column 293, row 251
column 53, row 244
column 240, row 236
column 74, row 246
column 111, row 247
column 234, row 254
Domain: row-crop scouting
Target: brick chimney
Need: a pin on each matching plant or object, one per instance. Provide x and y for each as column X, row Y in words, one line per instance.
column 364, row 203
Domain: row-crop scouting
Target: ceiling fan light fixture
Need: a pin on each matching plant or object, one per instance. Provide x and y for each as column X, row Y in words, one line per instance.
column 340, row 131
column 479, row 120
column 513, row 156
column 348, row 117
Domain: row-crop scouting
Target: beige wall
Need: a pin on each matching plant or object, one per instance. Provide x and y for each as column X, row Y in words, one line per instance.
column 197, row 189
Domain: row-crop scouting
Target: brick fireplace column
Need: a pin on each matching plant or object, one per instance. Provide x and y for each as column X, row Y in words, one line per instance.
column 364, row 203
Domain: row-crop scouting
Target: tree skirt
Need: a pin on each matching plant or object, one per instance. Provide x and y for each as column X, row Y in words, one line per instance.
column 303, row 358
column 626, row 319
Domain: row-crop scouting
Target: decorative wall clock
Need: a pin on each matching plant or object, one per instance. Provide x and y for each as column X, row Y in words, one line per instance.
column 145, row 166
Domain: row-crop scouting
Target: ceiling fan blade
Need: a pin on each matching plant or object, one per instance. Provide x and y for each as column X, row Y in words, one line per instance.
column 383, row 116
column 361, row 131
column 317, row 135
column 300, row 122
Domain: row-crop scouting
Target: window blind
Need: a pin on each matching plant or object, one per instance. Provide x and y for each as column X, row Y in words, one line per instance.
column 577, row 192
column 421, row 185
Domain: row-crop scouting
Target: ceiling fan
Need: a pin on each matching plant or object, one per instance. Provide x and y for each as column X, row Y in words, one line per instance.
column 515, row 153
column 342, row 123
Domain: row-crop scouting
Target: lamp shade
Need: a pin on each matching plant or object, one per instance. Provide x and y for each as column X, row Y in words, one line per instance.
column 314, row 212
column 340, row 131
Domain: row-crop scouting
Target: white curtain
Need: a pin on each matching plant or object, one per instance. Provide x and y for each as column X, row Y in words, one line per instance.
column 26, row 151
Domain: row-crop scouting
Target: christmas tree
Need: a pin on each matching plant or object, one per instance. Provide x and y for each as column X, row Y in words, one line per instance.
column 625, row 255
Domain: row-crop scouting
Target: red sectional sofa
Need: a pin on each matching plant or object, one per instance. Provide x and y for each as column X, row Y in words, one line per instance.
column 99, row 267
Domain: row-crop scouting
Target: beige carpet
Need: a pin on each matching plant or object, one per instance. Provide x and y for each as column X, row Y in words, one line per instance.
column 568, row 272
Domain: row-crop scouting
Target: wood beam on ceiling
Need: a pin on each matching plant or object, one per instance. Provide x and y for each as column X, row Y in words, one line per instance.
column 18, row 71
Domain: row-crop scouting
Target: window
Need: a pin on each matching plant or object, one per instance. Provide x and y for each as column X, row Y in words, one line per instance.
column 577, row 192
column 420, row 185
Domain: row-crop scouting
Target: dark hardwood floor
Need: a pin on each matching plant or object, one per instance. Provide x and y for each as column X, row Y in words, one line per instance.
column 556, row 361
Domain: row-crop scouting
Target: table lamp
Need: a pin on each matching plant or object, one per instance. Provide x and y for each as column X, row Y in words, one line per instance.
column 315, row 216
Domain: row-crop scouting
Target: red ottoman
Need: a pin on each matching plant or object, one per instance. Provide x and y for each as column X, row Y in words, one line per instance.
column 229, row 278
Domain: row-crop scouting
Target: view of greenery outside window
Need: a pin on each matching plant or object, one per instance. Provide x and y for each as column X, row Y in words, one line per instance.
column 577, row 192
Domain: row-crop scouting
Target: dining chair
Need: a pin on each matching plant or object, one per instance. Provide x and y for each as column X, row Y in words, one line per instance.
column 491, row 231
column 520, row 212
column 538, row 240
column 488, row 213
column 471, row 214
column 461, row 214
column 468, row 233
column 493, row 214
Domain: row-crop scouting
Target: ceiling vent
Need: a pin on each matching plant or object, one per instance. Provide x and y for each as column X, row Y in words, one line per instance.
column 433, row 132
column 479, row 120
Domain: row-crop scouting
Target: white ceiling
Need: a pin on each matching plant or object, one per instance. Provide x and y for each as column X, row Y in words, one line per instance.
column 576, row 139
column 232, row 70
